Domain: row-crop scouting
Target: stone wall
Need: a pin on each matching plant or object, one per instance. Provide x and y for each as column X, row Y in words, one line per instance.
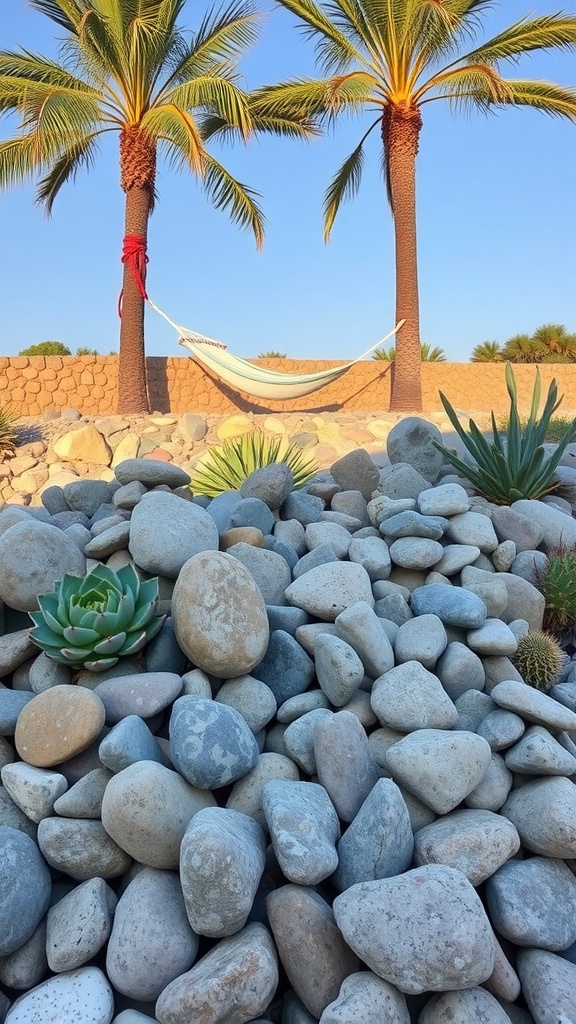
column 34, row 385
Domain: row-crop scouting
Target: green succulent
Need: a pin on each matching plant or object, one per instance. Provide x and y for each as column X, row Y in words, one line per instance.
column 94, row 620
column 515, row 465
column 557, row 582
column 539, row 659
column 8, row 430
column 225, row 467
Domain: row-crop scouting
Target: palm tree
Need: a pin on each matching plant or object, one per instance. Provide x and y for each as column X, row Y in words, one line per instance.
column 487, row 352
column 390, row 58
column 127, row 67
column 523, row 348
column 427, row 353
column 560, row 346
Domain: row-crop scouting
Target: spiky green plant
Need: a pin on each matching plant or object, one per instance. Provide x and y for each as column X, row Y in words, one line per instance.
column 226, row 466
column 557, row 582
column 8, row 430
column 272, row 354
column 539, row 659
column 91, row 621
column 515, row 465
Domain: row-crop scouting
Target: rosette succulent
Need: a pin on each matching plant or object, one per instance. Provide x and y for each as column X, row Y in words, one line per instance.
column 94, row 620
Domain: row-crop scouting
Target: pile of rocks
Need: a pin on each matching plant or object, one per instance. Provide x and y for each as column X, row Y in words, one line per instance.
column 57, row 451
column 323, row 792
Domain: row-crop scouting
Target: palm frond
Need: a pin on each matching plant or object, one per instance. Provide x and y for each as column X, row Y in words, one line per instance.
column 65, row 13
column 66, row 167
column 222, row 37
column 478, row 84
column 180, row 134
column 240, row 201
column 345, row 183
column 19, row 160
column 547, row 32
column 216, row 95
column 557, row 100
column 336, row 49
column 212, row 127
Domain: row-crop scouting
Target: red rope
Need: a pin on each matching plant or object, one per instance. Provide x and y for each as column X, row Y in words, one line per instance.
column 134, row 254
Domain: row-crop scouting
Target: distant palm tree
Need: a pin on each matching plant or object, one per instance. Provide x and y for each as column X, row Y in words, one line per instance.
column 390, row 58
column 129, row 68
column 522, row 348
column 556, row 341
column 487, row 352
column 271, row 355
column 427, row 353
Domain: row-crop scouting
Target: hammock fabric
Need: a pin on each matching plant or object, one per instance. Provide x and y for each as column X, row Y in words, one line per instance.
column 258, row 381
column 239, row 374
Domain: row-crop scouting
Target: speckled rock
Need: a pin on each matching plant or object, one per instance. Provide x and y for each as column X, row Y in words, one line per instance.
column 33, row 556
column 210, row 744
column 439, row 767
column 79, row 924
column 186, row 530
column 219, row 615
column 365, row 999
column 25, row 889
column 304, row 829
column 474, row 842
column 67, row 997
column 328, row 589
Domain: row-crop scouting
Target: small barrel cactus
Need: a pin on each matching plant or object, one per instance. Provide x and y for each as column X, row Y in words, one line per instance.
column 539, row 659
column 94, row 620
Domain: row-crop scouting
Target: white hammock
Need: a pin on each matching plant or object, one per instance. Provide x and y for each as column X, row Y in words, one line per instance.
column 258, row 381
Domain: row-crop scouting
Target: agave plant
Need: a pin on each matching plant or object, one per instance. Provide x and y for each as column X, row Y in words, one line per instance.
column 516, row 464
column 226, row 466
column 94, row 620
column 8, row 430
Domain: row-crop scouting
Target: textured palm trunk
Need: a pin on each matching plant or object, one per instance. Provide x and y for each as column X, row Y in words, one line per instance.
column 400, row 133
column 138, row 167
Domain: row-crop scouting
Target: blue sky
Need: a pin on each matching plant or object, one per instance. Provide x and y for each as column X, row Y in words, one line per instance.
column 497, row 229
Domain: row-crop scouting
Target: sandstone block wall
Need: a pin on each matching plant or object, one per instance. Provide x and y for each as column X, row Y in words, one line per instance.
column 33, row 385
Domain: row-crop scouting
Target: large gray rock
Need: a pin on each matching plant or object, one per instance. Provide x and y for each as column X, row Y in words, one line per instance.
column 459, row 669
column 532, row 705
column 356, row 471
column 454, row 605
column 165, row 531
column 339, row 670
column 439, row 767
column 511, row 524
column 65, row 997
column 410, row 697
column 525, row 601
column 411, row 441
column 312, row 950
column 473, row 528
column 270, row 570
column 81, row 849
column 365, row 999
column 379, row 842
column 222, row 858
column 25, row 889
column 544, row 812
column 33, row 556
column 151, row 941
column 328, row 589
column 557, row 528
column 423, row 931
column 146, row 809
column 538, row 753
column 421, row 639
column 219, row 615
column 472, row 1006
column 344, row 762
column 304, row 829
column 211, row 745
column 360, row 627
column 152, row 472
column 79, row 925
column 232, row 984
column 475, row 842
column 548, row 986
column 531, row 903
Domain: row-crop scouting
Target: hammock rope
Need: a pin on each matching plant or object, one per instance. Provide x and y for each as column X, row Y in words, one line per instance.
column 134, row 255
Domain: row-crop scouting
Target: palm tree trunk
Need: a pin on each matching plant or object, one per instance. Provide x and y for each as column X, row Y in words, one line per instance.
column 400, row 133
column 137, row 169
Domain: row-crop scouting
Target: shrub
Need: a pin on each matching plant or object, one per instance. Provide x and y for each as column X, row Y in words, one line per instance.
column 539, row 659
column 94, row 620
column 225, row 467
column 557, row 582
column 46, row 348
column 427, row 353
column 515, row 465
column 83, row 351
column 8, row 430
column 272, row 355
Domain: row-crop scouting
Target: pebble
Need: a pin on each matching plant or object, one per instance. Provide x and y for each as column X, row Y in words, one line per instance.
column 439, row 767
column 415, row 552
column 15, row 649
column 472, row 528
column 455, row 557
column 151, row 941
column 81, row 848
column 222, row 858
column 531, row 903
column 232, row 640
column 57, row 724
column 422, row 639
column 269, row 570
column 33, row 790
column 538, row 753
column 475, row 842
column 339, row 670
column 66, row 997
column 304, row 829
column 502, row 729
column 210, row 744
column 336, row 536
column 233, row 982
column 548, row 985
column 286, row 668
column 410, row 697
column 379, row 841
column 360, row 627
column 454, row 605
column 251, row 698
column 423, row 931
column 443, row 500
column 544, row 812
column 144, row 694
column 311, row 948
column 464, row 1007
column 328, row 589
column 25, row 886
column 494, row 638
column 344, row 763
column 365, row 999
column 357, row 471
column 79, row 924
column 532, row 705
column 373, row 554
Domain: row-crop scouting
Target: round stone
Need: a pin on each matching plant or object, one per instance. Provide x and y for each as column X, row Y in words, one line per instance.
column 67, row 997
column 165, row 531
column 219, row 615
column 25, row 889
column 33, row 556
column 211, row 745
column 57, row 724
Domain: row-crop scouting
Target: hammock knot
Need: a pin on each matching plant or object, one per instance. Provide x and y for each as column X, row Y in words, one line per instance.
column 134, row 256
